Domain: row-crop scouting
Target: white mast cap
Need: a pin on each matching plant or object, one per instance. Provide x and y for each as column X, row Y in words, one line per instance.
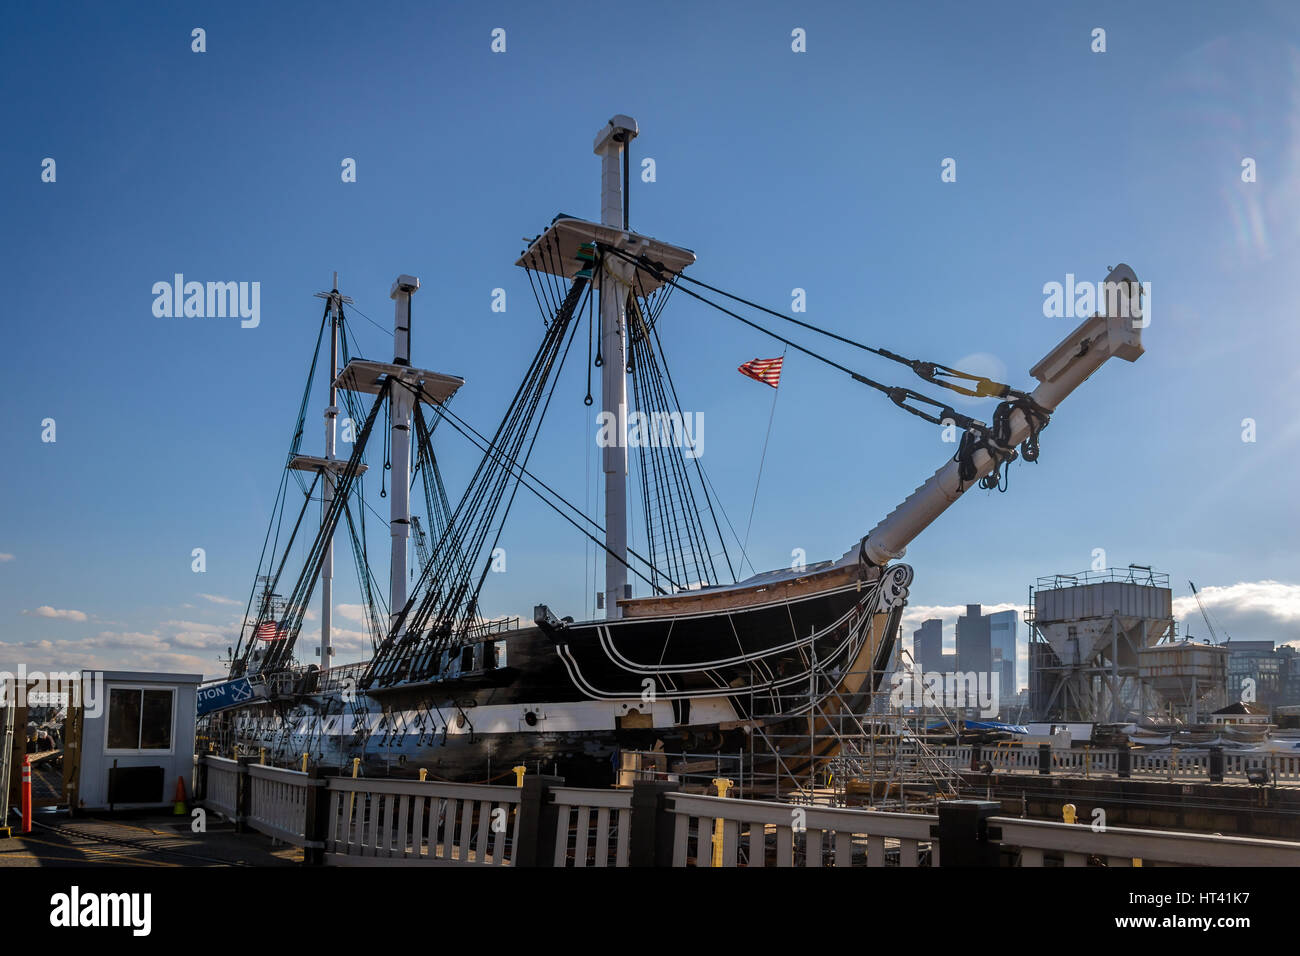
column 621, row 129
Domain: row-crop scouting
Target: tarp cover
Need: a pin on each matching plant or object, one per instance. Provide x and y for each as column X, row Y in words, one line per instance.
column 996, row 725
column 982, row 725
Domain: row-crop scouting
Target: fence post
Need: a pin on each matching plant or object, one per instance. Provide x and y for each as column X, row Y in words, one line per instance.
column 200, row 783
column 1216, row 765
column 651, row 840
column 1045, row 759
column 965, row 837
column 243, row 794
column 317, row 821
column 1124, row 762
column 538, row 818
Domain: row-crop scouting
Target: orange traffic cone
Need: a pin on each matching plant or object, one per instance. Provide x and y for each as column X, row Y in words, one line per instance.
column 179, row 809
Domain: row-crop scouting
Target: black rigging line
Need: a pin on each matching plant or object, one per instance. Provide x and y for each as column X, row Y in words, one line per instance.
column 686, row 490
column 484, row 445
column 898, row 394
column 388, row 332
column 439, row 593
column 698, row 466
column 276, row 520
column 296, row 605
column 555, row 380
column 929, row 371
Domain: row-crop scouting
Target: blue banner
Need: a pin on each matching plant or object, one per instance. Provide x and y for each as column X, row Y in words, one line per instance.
column 232, row 693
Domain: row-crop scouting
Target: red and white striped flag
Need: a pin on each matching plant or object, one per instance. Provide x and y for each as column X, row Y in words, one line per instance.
column 767, row 371
column 269, row 631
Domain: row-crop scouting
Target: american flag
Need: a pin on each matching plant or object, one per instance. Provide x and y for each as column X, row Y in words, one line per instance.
column 269, row 631
column 767, row 371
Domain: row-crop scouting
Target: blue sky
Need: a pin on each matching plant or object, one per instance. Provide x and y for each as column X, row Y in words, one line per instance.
column 817, row 170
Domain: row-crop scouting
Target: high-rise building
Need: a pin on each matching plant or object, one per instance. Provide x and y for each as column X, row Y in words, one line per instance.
column 1004, row 630
column 1273, row 672
column 974, row 648
column 927, row 646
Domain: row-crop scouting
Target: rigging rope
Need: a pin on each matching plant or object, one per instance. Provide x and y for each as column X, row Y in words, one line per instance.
column 898, row 394
column 978, row 435
column 776, row 393
column 984, row 388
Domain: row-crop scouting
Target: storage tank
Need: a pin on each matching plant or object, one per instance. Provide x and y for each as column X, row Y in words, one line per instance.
column 1095, row 623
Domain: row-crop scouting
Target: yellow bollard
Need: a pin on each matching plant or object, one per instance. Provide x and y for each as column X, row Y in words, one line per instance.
column 304, row 763
column 519, row 775
column 424, row 773
column 262, row 757
column 723, row 785
column 352, row 797
column 1068, row 813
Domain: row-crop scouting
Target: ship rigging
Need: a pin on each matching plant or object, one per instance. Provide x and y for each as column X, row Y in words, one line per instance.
column 698, row 656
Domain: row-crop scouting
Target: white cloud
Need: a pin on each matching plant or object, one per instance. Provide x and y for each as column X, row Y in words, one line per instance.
column 1248, row 610
column 107, row 650
column 172, row 646
column 353, row 612
column 218, row 599
column 5, row 557
column 46, row 611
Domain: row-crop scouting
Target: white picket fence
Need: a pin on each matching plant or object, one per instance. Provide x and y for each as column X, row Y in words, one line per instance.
column 389, row 822
column 717, row 831
column 1075, row 844
column 795, row 835
column 1170, row 764
column 278, row 802
column 221, row 793
column 577, row 842
column 404, row 822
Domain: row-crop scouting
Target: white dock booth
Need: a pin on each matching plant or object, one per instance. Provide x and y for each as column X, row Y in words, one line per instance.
column 137, row 738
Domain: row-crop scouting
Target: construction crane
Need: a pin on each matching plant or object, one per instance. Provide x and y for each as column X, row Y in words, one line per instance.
column 421, row 541
column 1214, row 637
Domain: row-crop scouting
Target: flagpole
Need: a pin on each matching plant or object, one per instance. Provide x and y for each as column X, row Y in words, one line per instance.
column 776, row 393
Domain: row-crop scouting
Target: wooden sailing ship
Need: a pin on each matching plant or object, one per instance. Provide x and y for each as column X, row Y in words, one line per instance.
column 693, row 666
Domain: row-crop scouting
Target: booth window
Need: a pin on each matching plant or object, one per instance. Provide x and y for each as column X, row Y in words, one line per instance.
column 140, row 718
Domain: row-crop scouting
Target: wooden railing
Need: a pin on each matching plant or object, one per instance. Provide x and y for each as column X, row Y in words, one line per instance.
column 221, row 788
column 1171, row 764
column 758, row 833
column 341, row 820
column 1076, row 844
column 577, row 843
column 279, row 802
column 387, row 822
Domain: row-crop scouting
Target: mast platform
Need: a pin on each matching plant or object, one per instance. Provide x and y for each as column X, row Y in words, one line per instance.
column 557, row 250
column 316, row 463
column 361, row 375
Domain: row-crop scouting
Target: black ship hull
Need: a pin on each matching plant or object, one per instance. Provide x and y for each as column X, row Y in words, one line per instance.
column 757, row 681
